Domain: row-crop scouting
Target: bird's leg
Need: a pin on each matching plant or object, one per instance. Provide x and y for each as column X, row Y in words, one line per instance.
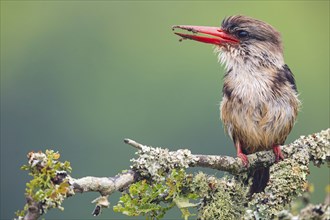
column 240, row 154
column 278, row 153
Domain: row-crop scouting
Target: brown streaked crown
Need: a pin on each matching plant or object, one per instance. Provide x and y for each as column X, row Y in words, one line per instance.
column 249, row 30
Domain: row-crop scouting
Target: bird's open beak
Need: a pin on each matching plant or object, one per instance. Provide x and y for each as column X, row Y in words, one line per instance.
column 220, row 37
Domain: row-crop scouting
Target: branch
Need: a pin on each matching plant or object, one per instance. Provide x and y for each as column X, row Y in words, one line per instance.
column 153, row 161
column 104, row 185
column 317, row 144
column 33, row 211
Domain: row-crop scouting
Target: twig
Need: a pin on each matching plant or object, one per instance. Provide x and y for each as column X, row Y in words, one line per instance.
column 133, row 143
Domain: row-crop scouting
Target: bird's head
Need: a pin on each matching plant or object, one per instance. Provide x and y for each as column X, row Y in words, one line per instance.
column 240, row 41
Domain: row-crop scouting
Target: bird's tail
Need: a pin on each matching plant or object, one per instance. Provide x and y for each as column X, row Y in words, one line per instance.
column 260, row 178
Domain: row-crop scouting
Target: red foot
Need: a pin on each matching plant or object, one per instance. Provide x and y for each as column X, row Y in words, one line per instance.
column 241, row 155
column 278, row 153
column 243, row 158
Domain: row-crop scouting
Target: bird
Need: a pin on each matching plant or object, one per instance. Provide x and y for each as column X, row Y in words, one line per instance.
column 260, row 100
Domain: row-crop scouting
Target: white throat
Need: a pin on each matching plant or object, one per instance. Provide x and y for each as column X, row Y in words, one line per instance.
column 237, row 59
column 250, row 76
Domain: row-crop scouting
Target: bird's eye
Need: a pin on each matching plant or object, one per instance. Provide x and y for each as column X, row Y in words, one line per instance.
column 242, row 34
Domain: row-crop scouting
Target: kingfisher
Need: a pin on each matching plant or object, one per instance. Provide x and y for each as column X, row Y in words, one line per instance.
column 260, row 99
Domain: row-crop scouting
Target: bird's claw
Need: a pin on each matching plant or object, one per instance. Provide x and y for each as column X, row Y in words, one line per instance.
column 278, row 153
column 244, row 159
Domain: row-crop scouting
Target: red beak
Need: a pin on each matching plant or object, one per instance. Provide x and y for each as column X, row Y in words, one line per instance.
column 220, row 38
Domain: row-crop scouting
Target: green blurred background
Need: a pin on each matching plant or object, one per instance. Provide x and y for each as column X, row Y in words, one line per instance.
column 80, row 76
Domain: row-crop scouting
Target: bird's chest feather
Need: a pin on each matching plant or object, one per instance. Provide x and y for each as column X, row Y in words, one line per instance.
column 249, row 89
column 252, row 111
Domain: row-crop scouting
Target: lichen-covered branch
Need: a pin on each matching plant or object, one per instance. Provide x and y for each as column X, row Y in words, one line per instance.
column 163, row 177
column 33, row 210
column 104, row 185
column 319, row 211
column 318, row 151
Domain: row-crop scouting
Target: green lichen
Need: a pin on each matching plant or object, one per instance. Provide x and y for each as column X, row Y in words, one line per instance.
column 153, row 199
column 219, row 198
column 288, row 180
column 48, row 186
column 141, row 200
column 223, row 198
column 319, row 147
column 155, row 163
